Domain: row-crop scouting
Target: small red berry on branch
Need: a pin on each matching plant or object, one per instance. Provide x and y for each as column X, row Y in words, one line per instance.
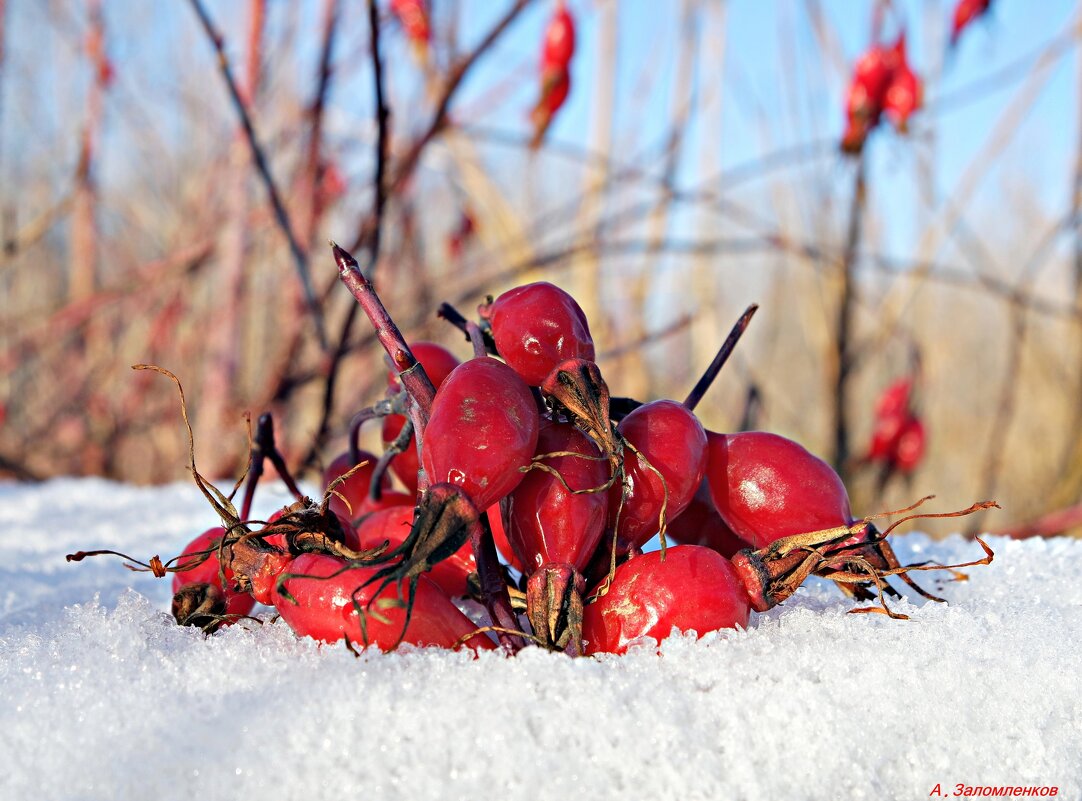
column 556, row 53
column 965, row 13
column 882, row 81
column 413, row 15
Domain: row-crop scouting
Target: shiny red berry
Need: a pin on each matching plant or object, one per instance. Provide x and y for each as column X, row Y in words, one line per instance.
column 766, row 487
column 536, row 327
column 550, row 519
column 559, row 45
column 692, row 589
column 663, row 467
column 482, row 431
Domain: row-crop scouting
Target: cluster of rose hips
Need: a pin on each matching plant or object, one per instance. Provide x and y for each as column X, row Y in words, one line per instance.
column 521, row 448
column 898, row 437
column 882, row 82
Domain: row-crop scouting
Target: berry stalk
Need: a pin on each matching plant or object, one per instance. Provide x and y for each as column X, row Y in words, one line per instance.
column 452, row 315
column 263, row 448
column 410, row 371
column 723, row 354
column 401, row 442
column 494, row 593
column 377, row 411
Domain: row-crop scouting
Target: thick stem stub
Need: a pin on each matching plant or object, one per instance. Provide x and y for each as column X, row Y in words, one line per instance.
column 410, row 372
column 493, row 587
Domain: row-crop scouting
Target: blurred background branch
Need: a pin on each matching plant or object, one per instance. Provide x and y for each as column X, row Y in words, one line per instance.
column 165, row 201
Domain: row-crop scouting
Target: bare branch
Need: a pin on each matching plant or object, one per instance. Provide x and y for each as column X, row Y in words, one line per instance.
column 300, row 258
column 408, row 163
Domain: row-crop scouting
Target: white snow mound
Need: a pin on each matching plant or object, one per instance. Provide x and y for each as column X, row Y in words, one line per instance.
column 102, row 696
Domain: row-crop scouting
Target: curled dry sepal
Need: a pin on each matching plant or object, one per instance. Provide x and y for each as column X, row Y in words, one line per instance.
column 518, row 452
column 853, row 554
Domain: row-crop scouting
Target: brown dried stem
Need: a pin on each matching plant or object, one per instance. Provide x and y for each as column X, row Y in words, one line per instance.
column 452, row 315
column 843, row 334
column 379, row 202
column 401, row 442
column 264, row 447
column 724, row 352
column 408, row 163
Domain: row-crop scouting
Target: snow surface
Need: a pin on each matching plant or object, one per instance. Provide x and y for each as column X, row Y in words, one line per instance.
column 102, row 696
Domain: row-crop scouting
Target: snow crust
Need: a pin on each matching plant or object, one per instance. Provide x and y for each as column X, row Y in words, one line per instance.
column 102, row 696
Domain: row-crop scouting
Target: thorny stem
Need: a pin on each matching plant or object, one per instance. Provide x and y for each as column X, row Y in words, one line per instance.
column 410, row 372
column 726, row 349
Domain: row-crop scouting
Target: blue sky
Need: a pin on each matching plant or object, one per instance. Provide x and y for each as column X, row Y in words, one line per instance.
column 775, row 81
column 776, row 92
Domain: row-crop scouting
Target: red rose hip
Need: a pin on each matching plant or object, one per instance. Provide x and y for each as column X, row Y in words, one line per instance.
column 693, row 588
column 536, row 327
column 669, row 441
column 482, row 430
column 766, row 487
